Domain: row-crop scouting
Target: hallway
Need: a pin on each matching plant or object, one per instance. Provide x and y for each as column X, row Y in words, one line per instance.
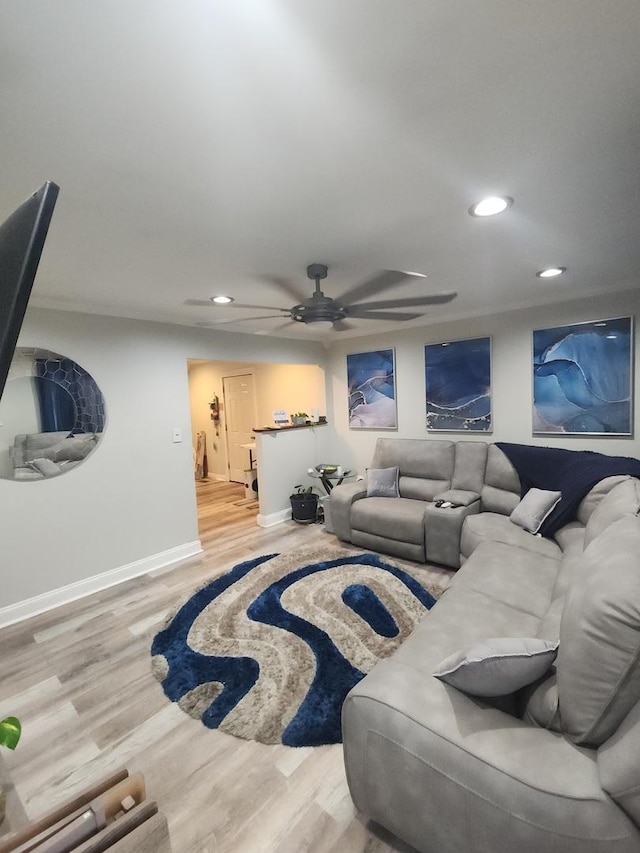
column 223, row 512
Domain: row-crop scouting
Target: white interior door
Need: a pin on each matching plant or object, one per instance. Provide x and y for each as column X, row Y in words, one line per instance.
column 240, row 415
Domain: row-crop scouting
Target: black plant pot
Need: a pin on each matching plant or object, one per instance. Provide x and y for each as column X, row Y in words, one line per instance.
column 304, row 508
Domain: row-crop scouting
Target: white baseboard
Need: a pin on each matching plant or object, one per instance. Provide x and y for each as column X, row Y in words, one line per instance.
column 273, row 518
column 65, row 594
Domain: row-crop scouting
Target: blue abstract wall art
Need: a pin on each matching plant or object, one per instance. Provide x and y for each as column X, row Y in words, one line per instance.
column 371, row 379
column 582, row 378
column 458, row 385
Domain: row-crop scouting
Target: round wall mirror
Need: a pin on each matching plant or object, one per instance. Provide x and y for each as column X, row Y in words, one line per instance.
column 52, row 416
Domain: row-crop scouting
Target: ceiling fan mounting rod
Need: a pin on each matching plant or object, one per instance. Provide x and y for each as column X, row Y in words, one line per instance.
column 317, row 272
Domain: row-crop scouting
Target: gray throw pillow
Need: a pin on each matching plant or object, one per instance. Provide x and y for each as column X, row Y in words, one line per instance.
column 498, row 666
column 382, row 482
column 45, row 466
column 534, row 507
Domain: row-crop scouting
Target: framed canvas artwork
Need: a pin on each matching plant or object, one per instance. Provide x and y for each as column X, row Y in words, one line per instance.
column 458, row 385
column 371, row 380
column 582, row 378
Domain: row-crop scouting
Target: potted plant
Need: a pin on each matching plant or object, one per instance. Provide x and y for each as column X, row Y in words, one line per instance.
column 299, row 418
column 10, row 731
column 304, row 505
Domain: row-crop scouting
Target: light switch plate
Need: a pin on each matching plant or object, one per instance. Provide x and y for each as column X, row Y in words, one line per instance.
column 177, row 435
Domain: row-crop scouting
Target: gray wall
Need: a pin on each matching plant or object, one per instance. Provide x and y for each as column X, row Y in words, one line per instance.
column 511, row 335
column 134, row 497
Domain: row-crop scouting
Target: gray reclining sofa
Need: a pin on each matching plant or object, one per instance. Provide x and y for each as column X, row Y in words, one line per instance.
column 554, row 766
column 471, row 474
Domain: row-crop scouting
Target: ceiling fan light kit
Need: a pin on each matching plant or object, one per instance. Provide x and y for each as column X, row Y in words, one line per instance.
column 324, row 310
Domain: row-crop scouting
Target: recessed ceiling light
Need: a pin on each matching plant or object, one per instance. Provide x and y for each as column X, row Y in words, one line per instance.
column 551, row 272
column 491, row 206
column 222, row 300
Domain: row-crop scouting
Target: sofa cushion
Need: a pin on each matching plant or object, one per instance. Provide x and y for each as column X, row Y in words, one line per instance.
column 623, row 500
column 470, row 465
column 382, row 482
column 501, row 489
column 458, row 619
column 421, row 488
column 520, row 579
column 494, row 527
column 497, row 666
column 426, row 467
column 570, row 538
column 534, row 507
column 69, row 449
column 593, row 497
column 400, row 519
column 28, row 445
column 598, row 664
column 432, row 459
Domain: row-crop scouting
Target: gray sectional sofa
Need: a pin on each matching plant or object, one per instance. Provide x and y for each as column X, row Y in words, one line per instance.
column 35, row 456
column 553, row 766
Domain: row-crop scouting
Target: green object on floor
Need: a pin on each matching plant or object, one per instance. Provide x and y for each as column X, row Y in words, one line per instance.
column 10, row 731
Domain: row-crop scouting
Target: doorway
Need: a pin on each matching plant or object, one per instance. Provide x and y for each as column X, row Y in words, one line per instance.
column 241, row 418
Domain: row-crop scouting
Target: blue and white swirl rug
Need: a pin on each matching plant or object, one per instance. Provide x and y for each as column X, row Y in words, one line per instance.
column 268, row 651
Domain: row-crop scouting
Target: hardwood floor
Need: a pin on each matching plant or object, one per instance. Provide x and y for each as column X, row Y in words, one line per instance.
column 79, row 678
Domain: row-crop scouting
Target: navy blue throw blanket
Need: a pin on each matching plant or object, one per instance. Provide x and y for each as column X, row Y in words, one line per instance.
column 572, row 472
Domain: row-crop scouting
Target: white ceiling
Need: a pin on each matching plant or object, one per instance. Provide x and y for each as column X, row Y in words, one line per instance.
column 204, row 145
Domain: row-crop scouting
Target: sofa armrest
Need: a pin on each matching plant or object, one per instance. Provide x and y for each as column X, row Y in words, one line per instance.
column 458, row 497
column 342, row 497
column 406, row 733
column 443, row 529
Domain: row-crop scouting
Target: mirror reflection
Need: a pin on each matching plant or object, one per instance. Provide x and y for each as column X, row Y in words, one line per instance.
column 52, row 416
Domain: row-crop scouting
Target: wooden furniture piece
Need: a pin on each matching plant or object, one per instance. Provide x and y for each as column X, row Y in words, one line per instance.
column 127, row 822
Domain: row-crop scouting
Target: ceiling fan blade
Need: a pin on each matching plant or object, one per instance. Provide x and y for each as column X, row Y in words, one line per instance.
column 434, row 299
column 209, row 304
column 364, row 314
column 341, row 326
column 278, row 327
column 380, row 281
column 262, row 307
column 288, row 286
column 245, row 319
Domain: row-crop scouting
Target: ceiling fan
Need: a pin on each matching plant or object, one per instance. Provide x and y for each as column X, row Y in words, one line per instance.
column 319, row 308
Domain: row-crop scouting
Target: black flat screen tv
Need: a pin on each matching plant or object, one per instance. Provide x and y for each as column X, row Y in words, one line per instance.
column 22, row 238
